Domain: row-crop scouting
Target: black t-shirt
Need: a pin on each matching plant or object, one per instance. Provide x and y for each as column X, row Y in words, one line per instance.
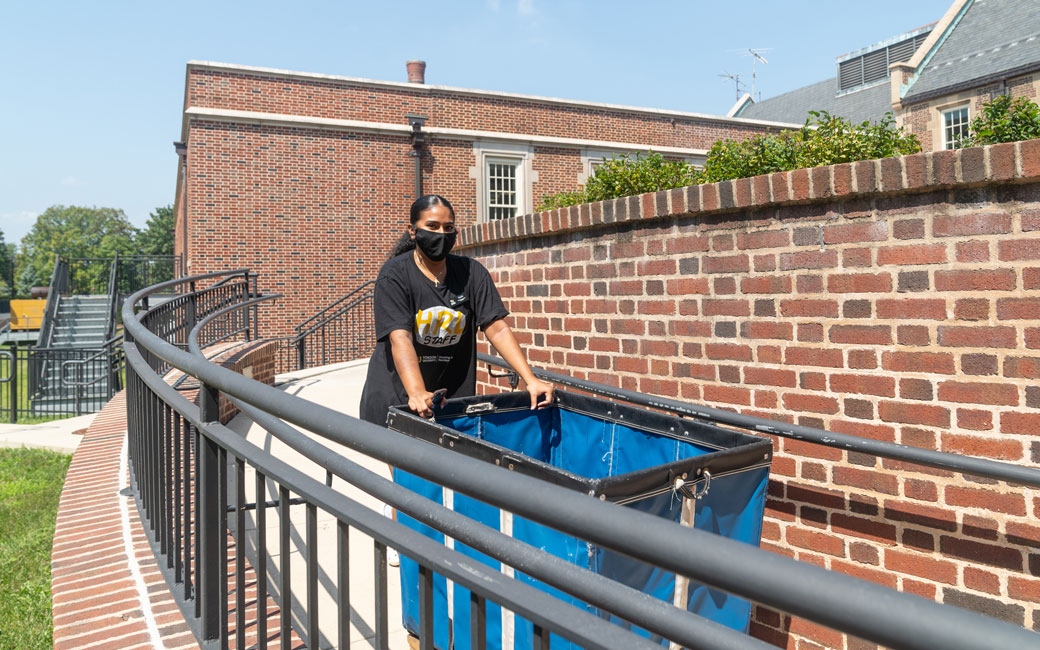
column 442, row 319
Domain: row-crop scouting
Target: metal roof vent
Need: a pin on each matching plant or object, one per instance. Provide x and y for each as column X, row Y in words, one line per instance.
column 869, row 65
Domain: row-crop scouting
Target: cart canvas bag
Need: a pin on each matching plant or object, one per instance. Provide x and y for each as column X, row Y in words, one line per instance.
column 691, row 472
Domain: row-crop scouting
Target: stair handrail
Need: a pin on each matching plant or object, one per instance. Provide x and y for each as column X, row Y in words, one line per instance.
column 113, row 296
column 59, row 285
column 319, row 321
column 110, row 348
column 300, row 328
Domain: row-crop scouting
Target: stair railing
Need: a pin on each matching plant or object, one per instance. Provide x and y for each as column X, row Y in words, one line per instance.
column 339, row 332
column 59, row 285
column 113, row 297
column 80, row 379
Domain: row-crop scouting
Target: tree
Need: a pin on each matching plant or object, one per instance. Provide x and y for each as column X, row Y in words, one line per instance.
column 6, row 267
column 157, row 236
column 71, row 231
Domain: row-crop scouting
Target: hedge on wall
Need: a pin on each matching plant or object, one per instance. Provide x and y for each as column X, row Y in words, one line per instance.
column 627, row 176
column 825, row 139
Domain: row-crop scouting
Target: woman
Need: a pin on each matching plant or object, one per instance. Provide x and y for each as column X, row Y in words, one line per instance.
column 428, row 305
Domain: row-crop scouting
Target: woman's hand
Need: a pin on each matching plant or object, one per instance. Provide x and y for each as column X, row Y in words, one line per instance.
column 538, row 388
column 421, row 403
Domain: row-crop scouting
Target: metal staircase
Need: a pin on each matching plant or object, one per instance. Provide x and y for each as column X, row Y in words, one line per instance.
column 73, row 368
column 82, row 321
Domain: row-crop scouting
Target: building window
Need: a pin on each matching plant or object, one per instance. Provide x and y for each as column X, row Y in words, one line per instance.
column 503, row 200
column 504, row 179
column 955, row 127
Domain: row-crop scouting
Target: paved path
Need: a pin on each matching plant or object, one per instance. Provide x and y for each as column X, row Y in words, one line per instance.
column 59, row 435
column 339, row 388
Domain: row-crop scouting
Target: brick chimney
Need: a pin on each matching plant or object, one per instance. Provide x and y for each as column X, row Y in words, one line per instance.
column 416, row 72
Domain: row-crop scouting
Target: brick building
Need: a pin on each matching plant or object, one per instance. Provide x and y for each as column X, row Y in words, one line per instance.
column 933, row 79
column 307, row 178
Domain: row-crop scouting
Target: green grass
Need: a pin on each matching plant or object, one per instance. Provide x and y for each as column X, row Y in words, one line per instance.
column 30, row 486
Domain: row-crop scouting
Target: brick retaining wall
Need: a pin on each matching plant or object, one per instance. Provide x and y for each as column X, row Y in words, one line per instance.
column 896, row 299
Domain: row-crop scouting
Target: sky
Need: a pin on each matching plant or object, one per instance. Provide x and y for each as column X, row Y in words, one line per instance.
column 91, row 93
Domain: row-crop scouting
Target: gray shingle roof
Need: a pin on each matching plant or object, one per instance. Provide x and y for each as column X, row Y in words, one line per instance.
column 993, row 37
column 870, row 103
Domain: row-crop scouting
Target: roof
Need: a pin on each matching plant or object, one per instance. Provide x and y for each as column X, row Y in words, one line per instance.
column 868, row 103
column 994, row 39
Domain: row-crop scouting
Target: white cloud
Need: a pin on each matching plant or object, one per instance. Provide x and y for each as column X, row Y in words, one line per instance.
column 72, row 181
column 525, row 7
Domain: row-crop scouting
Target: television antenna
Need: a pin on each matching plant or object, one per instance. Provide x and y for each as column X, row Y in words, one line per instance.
column 756, row 55
column 735, row 78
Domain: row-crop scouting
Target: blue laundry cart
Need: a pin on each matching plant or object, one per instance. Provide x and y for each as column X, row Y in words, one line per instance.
column 625, row 454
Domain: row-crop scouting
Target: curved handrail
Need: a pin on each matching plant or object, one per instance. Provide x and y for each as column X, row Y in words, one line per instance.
column 106, row 349
column 864, row 609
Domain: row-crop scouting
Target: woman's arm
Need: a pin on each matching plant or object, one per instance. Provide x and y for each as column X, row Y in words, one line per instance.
column 407, row 363
column 500, row 336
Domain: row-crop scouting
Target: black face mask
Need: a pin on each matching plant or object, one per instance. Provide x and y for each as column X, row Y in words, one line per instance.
column 434, row 245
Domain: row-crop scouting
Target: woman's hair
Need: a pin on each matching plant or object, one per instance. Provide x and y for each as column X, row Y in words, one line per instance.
column 405, row 242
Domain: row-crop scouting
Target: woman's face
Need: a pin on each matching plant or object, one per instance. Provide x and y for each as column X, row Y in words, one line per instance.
column 436, row 218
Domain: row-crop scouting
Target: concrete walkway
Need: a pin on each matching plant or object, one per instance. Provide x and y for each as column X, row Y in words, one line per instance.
column 59, row 435
column 337, row 387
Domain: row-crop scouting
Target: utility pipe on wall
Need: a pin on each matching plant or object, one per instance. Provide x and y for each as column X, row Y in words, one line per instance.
column 418, row 138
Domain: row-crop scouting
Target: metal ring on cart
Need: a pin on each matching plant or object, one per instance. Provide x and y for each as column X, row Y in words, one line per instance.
column 684, row 487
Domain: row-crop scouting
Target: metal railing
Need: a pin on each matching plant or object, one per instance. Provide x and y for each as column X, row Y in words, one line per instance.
column 343, row 331
column 190, row 474
column 50, row 383
column 59, row 286
column 125, row 274
column 983, row 467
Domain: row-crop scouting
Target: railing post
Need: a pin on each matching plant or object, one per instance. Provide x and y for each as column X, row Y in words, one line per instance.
column 208, row 576
column 301, row 354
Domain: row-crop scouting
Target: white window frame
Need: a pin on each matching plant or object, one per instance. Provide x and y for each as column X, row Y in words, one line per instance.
column 519, row 154
column 517, row 164
column 945, row 129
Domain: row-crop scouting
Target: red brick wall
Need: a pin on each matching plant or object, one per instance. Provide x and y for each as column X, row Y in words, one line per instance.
column 896, row 299
column 343, row 99
column 316, row 209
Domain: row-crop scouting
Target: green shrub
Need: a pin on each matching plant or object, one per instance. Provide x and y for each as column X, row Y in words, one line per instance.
column 824, row 140
column 626, row 176
column 1004, row 119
